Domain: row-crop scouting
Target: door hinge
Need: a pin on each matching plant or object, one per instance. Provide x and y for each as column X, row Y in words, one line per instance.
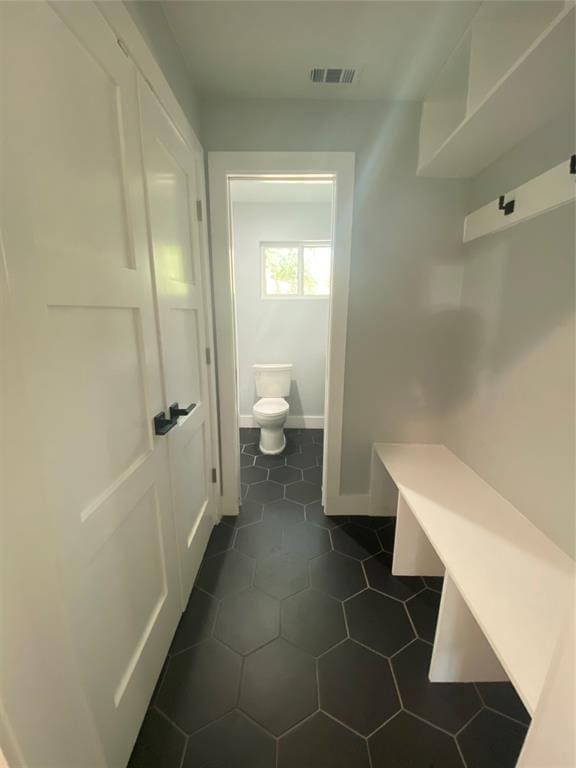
column 123, row 46
column 208, row 356
column 214, row 476
column 199, row 210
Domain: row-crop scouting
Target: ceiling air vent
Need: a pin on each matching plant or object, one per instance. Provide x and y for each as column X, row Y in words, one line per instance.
column 332, row 74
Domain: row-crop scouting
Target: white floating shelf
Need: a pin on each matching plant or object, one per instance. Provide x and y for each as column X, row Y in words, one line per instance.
column 539, row 85
column 546, row 192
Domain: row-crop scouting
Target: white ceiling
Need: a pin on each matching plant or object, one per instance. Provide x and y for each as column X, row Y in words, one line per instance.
column 266, row 48
column 256, row 191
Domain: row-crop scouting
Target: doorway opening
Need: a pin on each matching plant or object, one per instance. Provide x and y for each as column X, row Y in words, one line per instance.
column 282, row 230
column 281, row 241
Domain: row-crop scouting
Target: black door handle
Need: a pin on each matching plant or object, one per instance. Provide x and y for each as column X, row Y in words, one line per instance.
column 162, row 425
column 176, row 411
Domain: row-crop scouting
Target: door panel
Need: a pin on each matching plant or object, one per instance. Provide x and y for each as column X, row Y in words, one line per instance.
column 73, row 218
column 181, row 284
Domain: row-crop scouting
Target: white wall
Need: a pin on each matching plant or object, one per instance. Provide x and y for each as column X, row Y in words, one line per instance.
column 513, row 420
column 149, row 17
column 279, row 331
column 403, row 322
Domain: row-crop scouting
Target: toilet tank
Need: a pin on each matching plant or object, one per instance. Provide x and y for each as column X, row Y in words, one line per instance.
column 273, row 379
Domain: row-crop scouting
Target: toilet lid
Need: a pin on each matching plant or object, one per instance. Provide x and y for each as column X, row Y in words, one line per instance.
column 271, row 406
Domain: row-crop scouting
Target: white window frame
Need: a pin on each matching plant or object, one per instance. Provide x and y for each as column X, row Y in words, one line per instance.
column 300, row 245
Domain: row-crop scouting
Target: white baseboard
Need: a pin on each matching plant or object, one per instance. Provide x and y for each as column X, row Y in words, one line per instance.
column 292, row 422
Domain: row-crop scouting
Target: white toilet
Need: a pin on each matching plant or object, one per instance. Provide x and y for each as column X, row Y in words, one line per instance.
column 272, row 386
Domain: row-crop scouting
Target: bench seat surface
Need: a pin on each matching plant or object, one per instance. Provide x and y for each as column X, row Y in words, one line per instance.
column 516, row 582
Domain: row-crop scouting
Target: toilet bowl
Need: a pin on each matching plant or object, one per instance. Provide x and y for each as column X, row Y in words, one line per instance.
column 271, row 410
column 270, row 414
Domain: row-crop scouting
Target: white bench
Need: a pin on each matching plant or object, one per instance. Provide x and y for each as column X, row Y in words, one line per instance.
column 507, row 587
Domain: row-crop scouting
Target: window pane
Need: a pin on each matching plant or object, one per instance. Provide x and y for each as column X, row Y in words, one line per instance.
column 317, row 260
column 281, row 271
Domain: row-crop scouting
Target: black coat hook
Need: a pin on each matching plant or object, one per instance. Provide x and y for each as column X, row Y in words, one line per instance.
column 507, row 207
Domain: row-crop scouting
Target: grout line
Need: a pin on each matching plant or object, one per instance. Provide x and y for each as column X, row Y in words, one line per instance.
column 410, row 620
column 428, row 722
column 169, row 719
column 396, row 683
column 184, row 750
column 507, row 717
column 467, row 723
column 459, row 748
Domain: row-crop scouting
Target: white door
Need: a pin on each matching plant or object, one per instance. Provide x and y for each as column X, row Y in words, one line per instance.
column 182, row 283
column 74, row 227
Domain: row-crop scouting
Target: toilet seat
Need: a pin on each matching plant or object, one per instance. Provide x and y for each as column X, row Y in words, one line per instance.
column 271, row 406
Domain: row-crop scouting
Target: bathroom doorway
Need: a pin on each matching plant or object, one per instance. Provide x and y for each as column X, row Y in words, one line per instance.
column 281, row 243
column 282, row 231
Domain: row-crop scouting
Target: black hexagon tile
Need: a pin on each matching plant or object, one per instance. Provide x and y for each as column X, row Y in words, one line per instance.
column 196, row 622
column 279, row 686
column 221, row 539
column 226, row 573
column 386, row 536
column 355, row 541
column 159, row 743
column 301, row 460
column 406, row 742
column 379, row 572
column 306, row 539
column 200, row 685
column 491, row 741
column 260, row 539
column 269, row 462
column 232, row 742
column 315, row 514
column 313, row 475
column 447, row 705
column 312, row 621
column 265, row 491
column 320, row 742
column 282, row 574
column 247, row 620
column 284, row 512
column 423, row 609
column 285, row 474
column 303, row 492
column 337, row 575
column 503, row 698
column 379, row 622
column 434, row 582
column 357, row 687
column 250, row 512
column 246, row 460
column 253, row 474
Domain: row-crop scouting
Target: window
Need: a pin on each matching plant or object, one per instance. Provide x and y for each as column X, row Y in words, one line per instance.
column 296, row 270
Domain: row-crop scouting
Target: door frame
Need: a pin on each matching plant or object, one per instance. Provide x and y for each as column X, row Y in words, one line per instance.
column 222, row 166
column 133, row 43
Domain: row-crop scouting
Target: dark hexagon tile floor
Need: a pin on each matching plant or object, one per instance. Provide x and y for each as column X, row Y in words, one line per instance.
column 320, row 742
column 357, row 687
column 247, row 620
column 313, row 621
column 296, row 649
column 447, row 705
column 279, row 686
column 200, row 685
column 232, row 742
column 406, row 742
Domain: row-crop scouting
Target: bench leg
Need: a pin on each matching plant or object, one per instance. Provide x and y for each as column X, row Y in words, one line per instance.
column 461, row 653
column 413, row 553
